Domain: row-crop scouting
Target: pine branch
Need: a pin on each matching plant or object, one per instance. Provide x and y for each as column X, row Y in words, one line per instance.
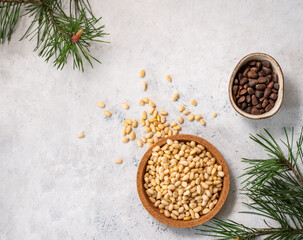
column 57, row 34
column 274, row 186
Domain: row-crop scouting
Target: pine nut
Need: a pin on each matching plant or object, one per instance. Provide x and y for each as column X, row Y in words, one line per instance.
column 124, row 124
column 168, row 78
column 144, row 85
column 144, row 115
column 125, row 139
column 174, row 180
column 149, row 135
column 101, row 104
column 139, row 142
column 163, row 113
column 145, row 100
column 135, row 123
column 186, row 112
column 125, row 105
column 151, row 110
column 141, row 102
column 141, row 73
column 193, row 102
column 202, row 122
column 191, row 117
column 214, row 115
column 128, row 129
column 198, row 117
column 175, row 96
column 152, row 104
column 128, row 121
column 181, row 108
column 132, row 135
column 118, row 160
column 180, row 119
column 107, row 113
column 81, row 135
column 124, row 132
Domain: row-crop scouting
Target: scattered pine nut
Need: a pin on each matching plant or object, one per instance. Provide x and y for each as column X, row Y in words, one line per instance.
column 81, row 135
column 135, row 124
column 180, row 119
column 100, row 104
column 186, row 112
column 144, row 85
column 124, row 124
column 152, row 104
column 125, row 105
column 191, row 117
column 198, row 117
column 193, row 102
column 145, row 100
column 144, row 115
column 128, row 129
column 118, row 161
column 175, row 97
column 172, row 124
column 107, row 113
column 132, row 135
column 139, row 142
column 125, row 139
column 202, row 122
column 163, row 113
column 181, row 108
column 128, row 121
column 214, row 115
column 151, row 110
column 142, row 73
column 124, row 132
column 141, row 102
column 168, row 78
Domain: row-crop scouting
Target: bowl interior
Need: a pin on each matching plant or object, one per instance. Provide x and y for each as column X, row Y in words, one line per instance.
column 276, row 68
column 149, row 206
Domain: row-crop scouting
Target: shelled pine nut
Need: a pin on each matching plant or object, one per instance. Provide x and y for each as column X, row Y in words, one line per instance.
column 168, row 78
column 196, row 194
column 101, row 104
column 142, row 73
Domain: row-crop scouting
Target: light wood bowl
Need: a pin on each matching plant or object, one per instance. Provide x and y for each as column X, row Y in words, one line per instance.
column 149, row 206
column 276, row 68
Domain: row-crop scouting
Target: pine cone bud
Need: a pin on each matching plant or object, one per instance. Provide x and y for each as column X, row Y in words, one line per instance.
column 76, row 37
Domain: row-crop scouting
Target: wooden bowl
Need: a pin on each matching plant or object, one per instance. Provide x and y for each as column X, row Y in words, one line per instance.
column 276, row 68
column 149, row 206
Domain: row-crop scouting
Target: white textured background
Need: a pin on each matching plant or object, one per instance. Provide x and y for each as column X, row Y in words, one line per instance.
column 55, row 186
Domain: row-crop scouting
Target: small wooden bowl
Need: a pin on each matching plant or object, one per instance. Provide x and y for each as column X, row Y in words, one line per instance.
column 149, row 206
column 276, row 68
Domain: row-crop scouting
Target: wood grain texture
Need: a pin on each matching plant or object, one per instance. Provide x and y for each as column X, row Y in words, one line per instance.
column 276, row 68
column 155, row 211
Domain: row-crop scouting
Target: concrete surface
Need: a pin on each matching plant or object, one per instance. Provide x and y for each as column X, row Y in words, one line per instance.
column 56, row 186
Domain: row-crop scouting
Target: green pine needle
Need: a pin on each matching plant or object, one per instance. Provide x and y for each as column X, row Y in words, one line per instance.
column 275, row 188
column 53, row 29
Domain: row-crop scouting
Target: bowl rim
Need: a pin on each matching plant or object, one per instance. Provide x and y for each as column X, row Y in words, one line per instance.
column 281, row 89
column 152, row 210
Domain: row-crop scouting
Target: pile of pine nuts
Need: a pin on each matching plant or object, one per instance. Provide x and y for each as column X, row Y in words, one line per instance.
column 183, row 180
